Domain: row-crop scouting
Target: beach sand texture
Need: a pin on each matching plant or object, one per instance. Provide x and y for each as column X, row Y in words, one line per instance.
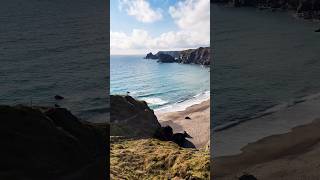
column 198, row 126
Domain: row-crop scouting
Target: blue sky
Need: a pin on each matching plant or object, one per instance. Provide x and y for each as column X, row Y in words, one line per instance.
column 142, row 26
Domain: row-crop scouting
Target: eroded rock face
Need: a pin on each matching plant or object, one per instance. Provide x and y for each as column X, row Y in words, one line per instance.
column 49, row 143
column 195, row 56
column 151, row 56
column 132, row 118
column 191, row 56
column 166, row 58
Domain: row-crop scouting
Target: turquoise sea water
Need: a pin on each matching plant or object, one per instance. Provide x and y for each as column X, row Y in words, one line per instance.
column 164, row 86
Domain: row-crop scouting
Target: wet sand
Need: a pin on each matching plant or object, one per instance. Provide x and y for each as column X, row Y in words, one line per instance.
column 293, row 155
column 198, row 126
column 282, row 145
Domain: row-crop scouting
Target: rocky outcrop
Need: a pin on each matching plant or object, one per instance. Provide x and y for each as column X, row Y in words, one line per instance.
column 132, row 118
column 50, row 143
column 174, row 54
column 308, row 9
column 191, row 56
column 166, row 58
column 151, row 56
column 195, row 56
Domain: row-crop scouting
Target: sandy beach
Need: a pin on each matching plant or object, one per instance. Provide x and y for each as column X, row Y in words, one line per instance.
column 283, row 145
column 198, row 126
column 293, row 155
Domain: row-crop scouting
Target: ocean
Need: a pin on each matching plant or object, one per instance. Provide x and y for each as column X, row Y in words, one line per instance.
column 55, row 47
column 165, row 87
column 264, row 62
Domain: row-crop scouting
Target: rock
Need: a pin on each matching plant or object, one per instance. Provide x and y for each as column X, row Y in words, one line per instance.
column 187, row 117
column 166, row 58
column 195, row 56
column 164, row 133
column 247, row 177
column 318, row 30
column 50, row 143
column 180, row 138
column 56, row 105
column 174, row 54
column 151, row 56
column 132, row 118
column 190, row 56
column 58, row 97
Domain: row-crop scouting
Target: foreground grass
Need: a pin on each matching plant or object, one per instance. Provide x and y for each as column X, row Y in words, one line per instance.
column 154, row 159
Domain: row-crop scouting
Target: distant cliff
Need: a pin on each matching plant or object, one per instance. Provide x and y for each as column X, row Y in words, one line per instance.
column 190, row 56
column 308, row 9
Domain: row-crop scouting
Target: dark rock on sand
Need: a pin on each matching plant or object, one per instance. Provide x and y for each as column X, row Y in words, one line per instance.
column 187, row 117
column 166, row 58
column 151, row 56
column 132, row 118
column 50, row 143
column 247, row 177
column 164, row 133
column 180, row 138
column 58, row 97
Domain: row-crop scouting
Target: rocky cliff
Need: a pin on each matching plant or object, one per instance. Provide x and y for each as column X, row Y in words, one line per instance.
column 195, row 56
column 190, row 56
column 132, row 118
column 308, row 9
column 50, row 143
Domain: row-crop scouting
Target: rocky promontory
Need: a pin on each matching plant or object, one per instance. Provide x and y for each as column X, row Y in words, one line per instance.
column 190, row 56
column 50, row 143
column 142, row 149
column 132, row 118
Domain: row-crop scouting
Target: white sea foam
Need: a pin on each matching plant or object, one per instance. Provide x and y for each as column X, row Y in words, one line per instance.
column 154, row 101
column 180, row 106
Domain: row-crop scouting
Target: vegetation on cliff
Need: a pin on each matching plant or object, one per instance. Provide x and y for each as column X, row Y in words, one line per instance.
column 155, row 159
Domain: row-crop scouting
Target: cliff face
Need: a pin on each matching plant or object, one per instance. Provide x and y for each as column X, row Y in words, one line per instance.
column 308, row 9
column 195, row 56
column 174, row 54
column 50, row 143
column 190, row 56
column 132, row 118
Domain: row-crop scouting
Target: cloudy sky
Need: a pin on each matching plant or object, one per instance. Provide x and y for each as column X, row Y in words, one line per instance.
column 142, row 26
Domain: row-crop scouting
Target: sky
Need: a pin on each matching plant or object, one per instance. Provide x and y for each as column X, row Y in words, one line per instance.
column 143, row 26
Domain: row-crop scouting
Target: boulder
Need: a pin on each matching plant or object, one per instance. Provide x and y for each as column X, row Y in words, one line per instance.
column 58, row 97
column 164, row 133
column 132, row 118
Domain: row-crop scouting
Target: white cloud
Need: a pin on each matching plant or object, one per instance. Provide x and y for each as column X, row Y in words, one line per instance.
column 141, row 10
column 193, row 20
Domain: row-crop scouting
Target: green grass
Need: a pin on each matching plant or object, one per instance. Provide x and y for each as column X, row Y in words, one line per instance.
column 154, row 159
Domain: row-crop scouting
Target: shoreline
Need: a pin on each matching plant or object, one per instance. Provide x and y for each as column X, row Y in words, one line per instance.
column 285, row 143
column 292, row 155
column 182, row 106
column 198, row 126
column 231, row 141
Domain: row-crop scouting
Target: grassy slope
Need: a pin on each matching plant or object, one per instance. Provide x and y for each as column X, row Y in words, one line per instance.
column 154, row 159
